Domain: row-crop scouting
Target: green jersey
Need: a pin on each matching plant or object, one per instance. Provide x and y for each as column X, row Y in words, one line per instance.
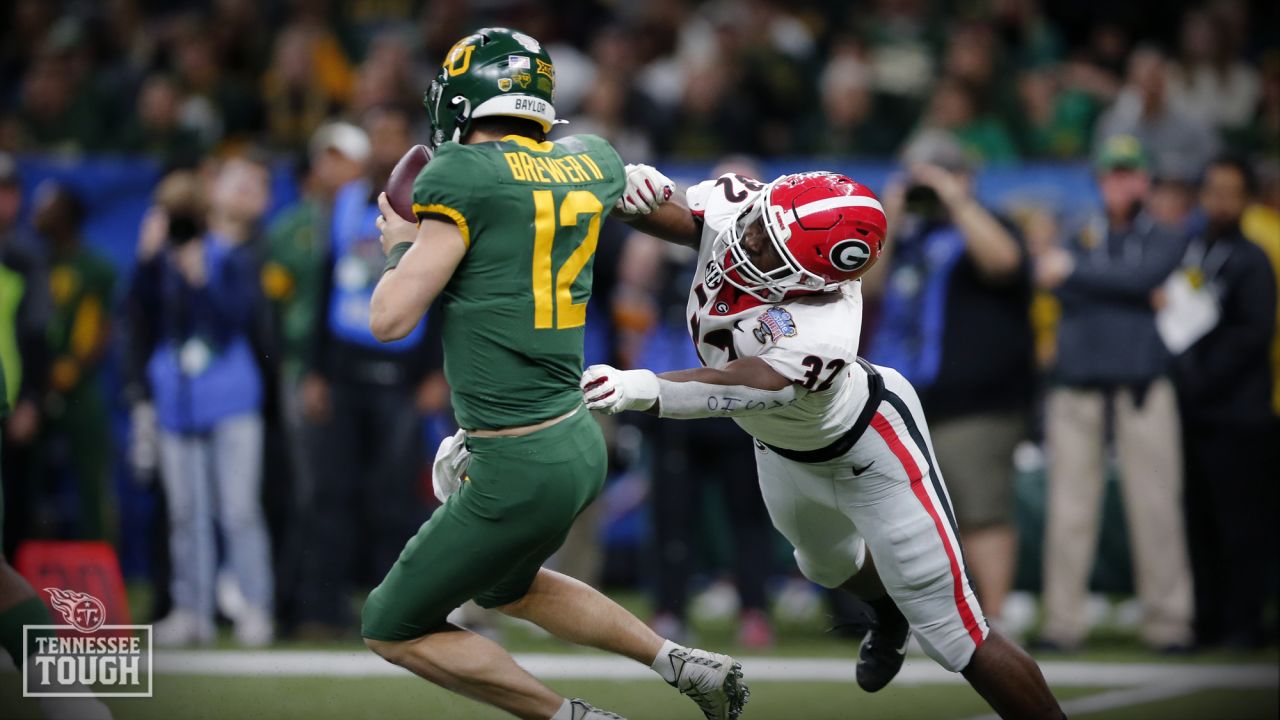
column 514, row 312
column 293, row 279
column 81, row 286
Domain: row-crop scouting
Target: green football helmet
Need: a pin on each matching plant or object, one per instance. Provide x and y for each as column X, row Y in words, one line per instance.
column 493, row 71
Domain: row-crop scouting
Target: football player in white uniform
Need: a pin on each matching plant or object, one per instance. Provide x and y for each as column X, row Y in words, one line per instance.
column 844, row 457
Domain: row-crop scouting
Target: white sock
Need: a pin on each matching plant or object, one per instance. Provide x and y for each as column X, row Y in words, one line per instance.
column 565, row 712
column 662, row 663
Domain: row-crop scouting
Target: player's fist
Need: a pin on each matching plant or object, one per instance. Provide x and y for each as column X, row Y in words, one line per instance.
column 449, row 466
column 610, row 390
column 646, row 189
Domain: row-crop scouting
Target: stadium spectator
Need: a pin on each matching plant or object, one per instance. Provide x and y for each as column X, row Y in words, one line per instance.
column 1029, row 40
column 1144, row 110
column 776, row 51
column 707, row 124
column 361, row 398
column 197, row 288
column 849, row 123
column 386, row 76
column 1112, row 370
column 241, row 35
column 1263, row 135
column 606, row 113
column 970, row 57
column 24, row 353
column 1207, row 81
column 1224, row 385
column 618, row 111
column 55, row 114
column 297, row 102
column 156, row 129
column 901, row 39
column 955, row 289
column 292, row 279
column 1261, row 224
column 74, row 433
column 217, row 105
column 1173, row 196
column 955, row 108
column 1055, row 120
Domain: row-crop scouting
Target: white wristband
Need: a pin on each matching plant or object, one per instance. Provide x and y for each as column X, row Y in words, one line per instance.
column 690, row 400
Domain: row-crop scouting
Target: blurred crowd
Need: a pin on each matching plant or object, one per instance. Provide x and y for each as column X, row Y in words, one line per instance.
column 1012, row 79
column 288, row 447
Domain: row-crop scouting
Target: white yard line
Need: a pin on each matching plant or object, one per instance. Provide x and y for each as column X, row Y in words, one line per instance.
column 1113, row 699
column 764, row 669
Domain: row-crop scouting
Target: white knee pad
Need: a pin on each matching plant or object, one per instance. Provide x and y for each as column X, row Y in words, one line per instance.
column 832, row 568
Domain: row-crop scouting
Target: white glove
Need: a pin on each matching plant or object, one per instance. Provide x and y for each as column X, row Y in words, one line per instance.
column 450, row 465
column 646, row 190
column 610, row 390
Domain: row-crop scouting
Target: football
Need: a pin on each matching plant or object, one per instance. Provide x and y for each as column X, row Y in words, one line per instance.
column 400, row 182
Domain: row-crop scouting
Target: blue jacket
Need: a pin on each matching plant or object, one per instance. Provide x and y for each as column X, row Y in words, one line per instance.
column 201, row 369
column 1107, row 335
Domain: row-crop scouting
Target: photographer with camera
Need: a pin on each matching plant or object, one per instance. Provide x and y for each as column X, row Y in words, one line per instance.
column 955, row 295
column 193, row 299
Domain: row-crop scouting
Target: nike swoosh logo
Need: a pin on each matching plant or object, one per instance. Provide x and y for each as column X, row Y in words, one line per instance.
column 859, row 470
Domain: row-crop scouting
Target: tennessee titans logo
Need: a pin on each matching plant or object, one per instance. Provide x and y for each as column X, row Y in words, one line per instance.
column 775, row 323
column 849, row 255
column 714, row 275
column 83, row 611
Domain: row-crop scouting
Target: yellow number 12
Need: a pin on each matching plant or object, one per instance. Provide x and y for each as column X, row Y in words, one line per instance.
column 568, row 314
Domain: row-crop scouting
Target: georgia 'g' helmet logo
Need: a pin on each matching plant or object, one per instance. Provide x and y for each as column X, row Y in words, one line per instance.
column 849, row 255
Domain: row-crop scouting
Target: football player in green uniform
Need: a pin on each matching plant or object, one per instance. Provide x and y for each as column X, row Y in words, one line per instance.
column 507, row 229
column 21, row 606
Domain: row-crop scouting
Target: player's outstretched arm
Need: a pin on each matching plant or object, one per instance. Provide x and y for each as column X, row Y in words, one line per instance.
column 747, row 386
column 650, row 204
column 421, row 259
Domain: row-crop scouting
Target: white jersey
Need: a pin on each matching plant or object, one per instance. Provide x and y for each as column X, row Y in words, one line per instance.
column 810, row 340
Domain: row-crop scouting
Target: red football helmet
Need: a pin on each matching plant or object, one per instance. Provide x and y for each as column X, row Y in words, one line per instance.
column 826, row 228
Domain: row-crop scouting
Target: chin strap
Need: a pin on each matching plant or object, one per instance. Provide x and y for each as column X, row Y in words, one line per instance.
column 464, row 117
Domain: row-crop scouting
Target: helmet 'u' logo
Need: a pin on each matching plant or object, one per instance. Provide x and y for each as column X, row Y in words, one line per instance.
column 458, row 60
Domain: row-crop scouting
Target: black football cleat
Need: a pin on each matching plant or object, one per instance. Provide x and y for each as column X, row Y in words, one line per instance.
column 883, row 649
